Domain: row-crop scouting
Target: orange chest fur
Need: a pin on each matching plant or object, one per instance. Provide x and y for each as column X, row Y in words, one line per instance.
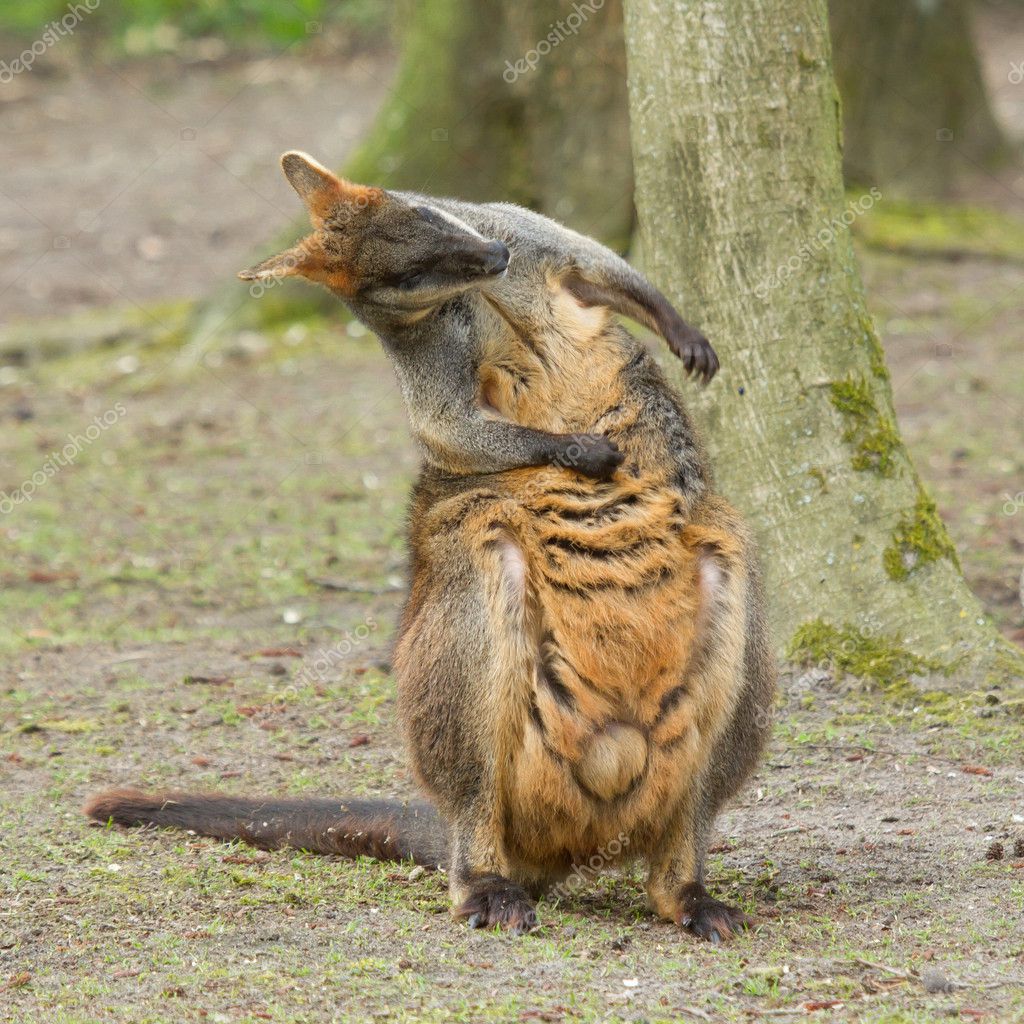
column 556, row 369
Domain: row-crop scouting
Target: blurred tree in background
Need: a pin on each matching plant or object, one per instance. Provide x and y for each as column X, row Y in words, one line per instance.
column 916, row 117
column 513, row 113
column 524, row 102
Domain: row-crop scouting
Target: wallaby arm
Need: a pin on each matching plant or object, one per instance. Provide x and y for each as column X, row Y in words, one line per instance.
column 599, row 277
column 436, row 365
column 591, row 271
column 469, row 441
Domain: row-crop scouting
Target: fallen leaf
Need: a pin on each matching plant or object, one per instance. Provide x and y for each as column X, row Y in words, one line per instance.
column 975, row 769
column 825, row 1004
column 359, row 740
column 43, row 576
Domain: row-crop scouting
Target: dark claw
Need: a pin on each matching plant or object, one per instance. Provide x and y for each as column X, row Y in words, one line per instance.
column 495, row 902
column 695, row 351
column 707, row 917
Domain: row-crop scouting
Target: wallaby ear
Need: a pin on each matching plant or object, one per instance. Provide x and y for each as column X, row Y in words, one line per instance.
column 309, row 177
column 322, row 190
column 299, row 259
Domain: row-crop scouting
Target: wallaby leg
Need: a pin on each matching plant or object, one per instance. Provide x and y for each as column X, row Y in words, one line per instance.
column 733, row 656
column 481, row 893
column 675, row 881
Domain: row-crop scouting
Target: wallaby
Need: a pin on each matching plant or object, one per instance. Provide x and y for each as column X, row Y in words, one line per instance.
column 418, row 271
column 583, row 669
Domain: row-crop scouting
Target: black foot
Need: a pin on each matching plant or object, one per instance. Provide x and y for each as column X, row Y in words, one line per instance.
column 593, row 455
column 707, row 917
column 694, row 350
column 495, row 902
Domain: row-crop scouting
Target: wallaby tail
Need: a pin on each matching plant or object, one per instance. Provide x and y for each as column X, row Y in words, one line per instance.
column 350, row 828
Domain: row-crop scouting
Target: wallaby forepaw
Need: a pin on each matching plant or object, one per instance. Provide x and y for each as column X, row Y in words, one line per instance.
column 498, row 903
column 695, row 351
column 594, row 455
column 707, row 917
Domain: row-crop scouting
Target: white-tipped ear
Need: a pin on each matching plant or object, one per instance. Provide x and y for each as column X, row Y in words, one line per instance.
column 322, row 190
column 309, row 177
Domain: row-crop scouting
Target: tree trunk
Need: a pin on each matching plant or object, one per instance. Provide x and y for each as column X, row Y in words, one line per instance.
column 740, row 198
column 524, row 102
column 915, row 113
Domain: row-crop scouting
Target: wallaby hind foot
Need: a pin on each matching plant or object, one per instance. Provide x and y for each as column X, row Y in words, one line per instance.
column 496, row 902
column 707, row 917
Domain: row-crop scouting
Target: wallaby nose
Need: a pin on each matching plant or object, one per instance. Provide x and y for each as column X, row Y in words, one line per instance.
column 497, row 258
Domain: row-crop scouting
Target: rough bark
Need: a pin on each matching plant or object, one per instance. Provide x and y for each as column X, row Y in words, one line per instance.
column 916, row 117
column 740, row 199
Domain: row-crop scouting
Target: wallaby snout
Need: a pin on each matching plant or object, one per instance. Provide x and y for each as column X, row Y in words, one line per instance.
column 497, row 258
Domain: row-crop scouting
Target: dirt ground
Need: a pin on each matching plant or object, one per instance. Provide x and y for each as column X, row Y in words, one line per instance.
column 135, row 183
column 217, row 610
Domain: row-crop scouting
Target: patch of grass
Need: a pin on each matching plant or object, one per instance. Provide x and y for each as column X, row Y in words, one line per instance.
column 941, row 229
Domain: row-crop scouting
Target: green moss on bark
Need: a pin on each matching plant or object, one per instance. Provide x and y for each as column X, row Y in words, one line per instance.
column 873, row 434
column 877, row 353
column 857, row 652
column 919, row 538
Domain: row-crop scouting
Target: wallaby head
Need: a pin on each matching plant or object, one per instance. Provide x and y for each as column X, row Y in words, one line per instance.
column 374, row 246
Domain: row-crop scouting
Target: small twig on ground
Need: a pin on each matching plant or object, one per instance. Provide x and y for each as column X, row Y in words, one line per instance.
column 888, row 970
column 350, row 588
column 694, row 1011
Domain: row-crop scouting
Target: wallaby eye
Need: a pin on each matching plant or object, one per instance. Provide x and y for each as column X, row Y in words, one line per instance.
column 431, row 216
column 411, row 280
